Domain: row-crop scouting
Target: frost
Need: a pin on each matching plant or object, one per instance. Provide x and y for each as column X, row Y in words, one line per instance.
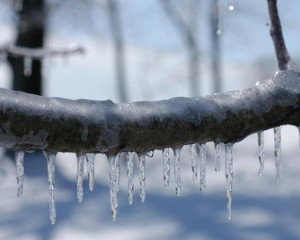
column 177, row 152
column 129, row 158
column 217, row 157
column 195, row 157
column 90, row 158
column 80, row 170
column 228, row 176
column 51, row 181
column 142, row 177
column 27, row 66
column 277, row 151
column 202, row 166
column 261, row 154
column 114, row 174
column 166, row 166
column 19, row 156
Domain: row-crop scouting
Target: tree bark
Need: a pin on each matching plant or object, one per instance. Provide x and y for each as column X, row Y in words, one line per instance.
column 32, row 122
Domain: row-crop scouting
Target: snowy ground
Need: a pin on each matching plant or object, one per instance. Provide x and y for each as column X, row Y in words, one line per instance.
column 262, row 209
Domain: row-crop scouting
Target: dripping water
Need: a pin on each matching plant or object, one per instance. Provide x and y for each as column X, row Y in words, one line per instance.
column 231, row 5
column 27, row 66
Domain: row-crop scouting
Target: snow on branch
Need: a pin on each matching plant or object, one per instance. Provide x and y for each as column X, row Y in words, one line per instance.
column 31, row 122
column 39, row 53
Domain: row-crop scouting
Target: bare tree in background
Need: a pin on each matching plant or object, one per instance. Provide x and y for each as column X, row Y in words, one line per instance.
column 31, row 29
column 188, row 29
column 216, row 31
column 116, row 30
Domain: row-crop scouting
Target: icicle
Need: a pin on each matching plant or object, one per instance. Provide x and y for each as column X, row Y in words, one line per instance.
column 51, row 181
column 19, row 156
column 261, row 153
column 195, row 157
column 277, row 150
column 129, row 158
column 177, row 152
column 231, row 5
column 166, row 166
column 90, row 158
column 150, row 153
column 80, row 170
column 202, row 166
column 114, row 174
column 217, row 157
column 27, row 66
column 142, row 177
column 228, row 176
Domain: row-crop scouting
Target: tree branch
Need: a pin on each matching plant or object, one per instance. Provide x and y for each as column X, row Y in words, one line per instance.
column 282, row 53
column 31, row 122
column 39, row 53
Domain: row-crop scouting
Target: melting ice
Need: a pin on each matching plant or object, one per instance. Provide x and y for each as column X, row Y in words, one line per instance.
column 90, row 158
column 228, row 176
column 129, row 158
column 177, row 152
column 166, row 166
column 19, row 156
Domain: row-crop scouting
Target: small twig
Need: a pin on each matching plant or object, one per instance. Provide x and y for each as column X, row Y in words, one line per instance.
column 39, row 53
column 282, row 54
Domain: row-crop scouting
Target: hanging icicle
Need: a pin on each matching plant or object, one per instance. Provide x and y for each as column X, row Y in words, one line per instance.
column 80, row 170
column 261, row 154
column 177, row 152
column 90, row 158
column 166, row 166
column 129, row 158
column 277, row 151
column 229, row 176
column 114, row 174
column 202, row 167
column 195, row 157
column 19, row 156
column 142, row 177
column 217, row 157
column 27, row 66
column 51, row 181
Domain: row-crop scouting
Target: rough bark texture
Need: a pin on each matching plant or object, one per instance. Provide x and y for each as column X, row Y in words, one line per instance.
column 32, row 122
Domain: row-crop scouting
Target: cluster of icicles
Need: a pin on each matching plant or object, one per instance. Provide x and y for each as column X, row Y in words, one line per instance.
column 198, row 163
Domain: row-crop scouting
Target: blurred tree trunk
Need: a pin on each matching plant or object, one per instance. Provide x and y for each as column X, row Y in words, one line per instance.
column 31, row 29
column 188, row 29
column 215, row 45
column 116, row 30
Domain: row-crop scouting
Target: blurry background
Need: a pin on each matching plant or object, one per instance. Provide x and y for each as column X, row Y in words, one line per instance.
column 150, row 50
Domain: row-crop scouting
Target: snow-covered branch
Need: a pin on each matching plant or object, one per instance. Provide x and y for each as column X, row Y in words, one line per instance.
column 31, row 122
column 39, row 53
